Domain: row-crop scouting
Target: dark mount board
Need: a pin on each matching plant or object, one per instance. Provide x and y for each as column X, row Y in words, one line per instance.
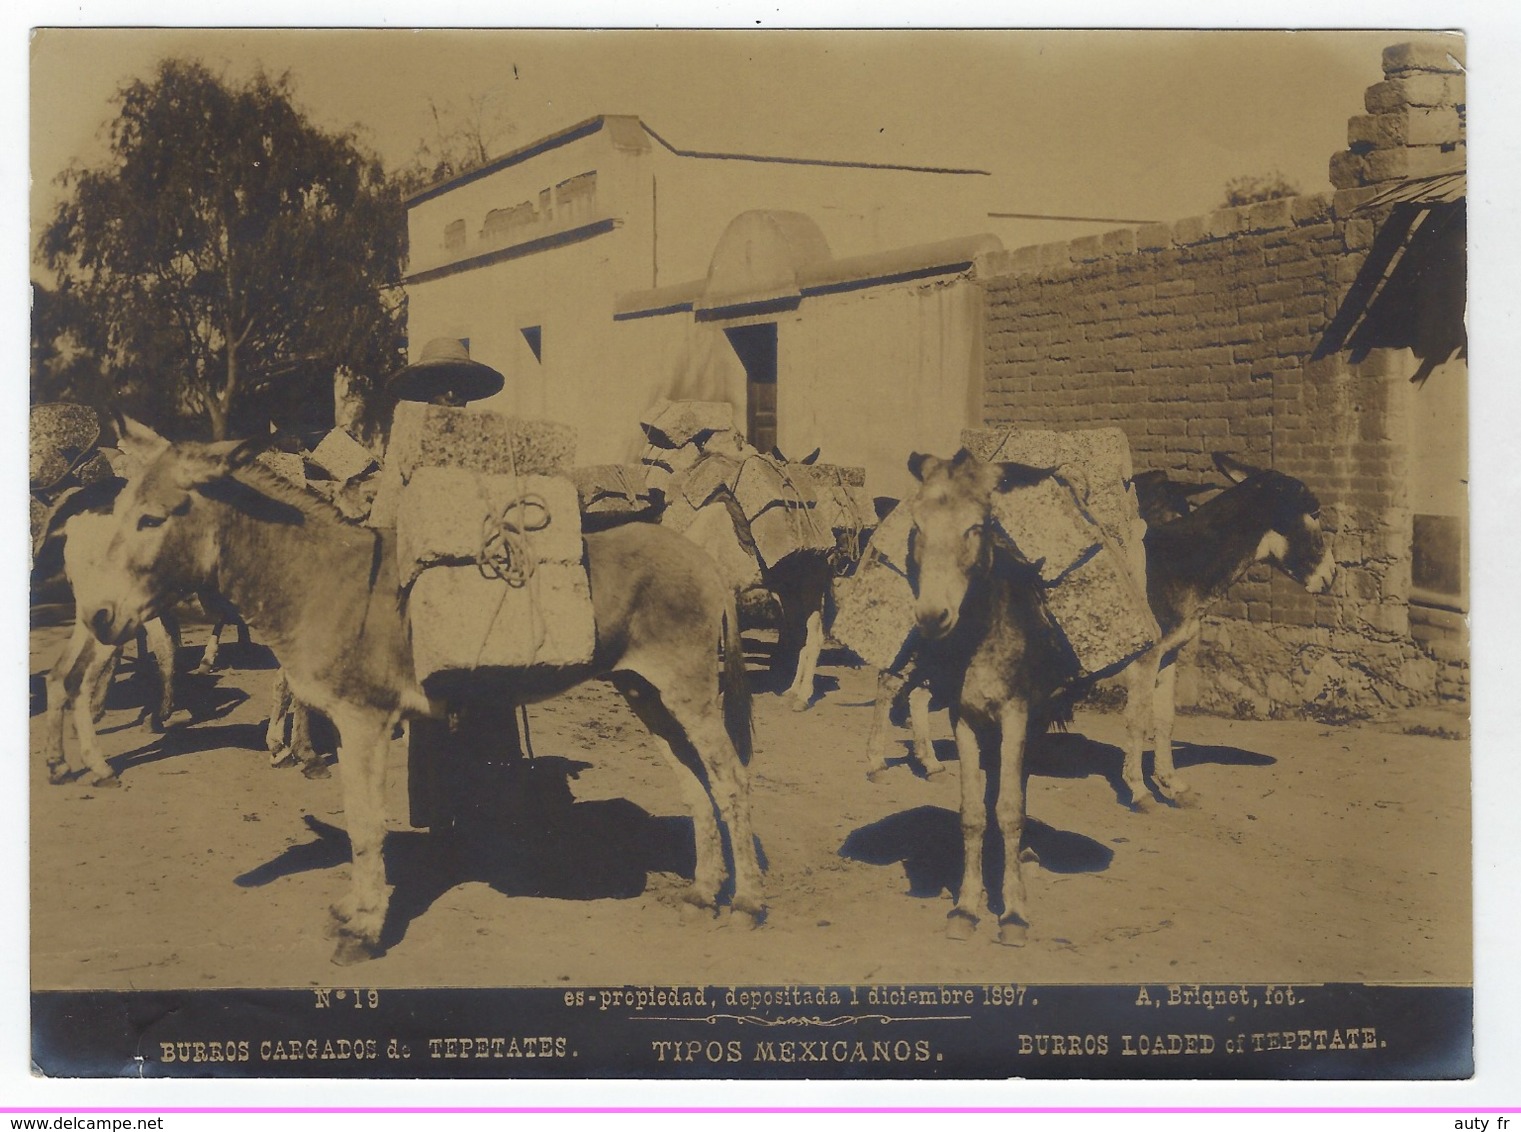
column 1156, row 1031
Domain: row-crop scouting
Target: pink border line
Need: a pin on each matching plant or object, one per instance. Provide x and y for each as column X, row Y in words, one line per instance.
column 825, row 1110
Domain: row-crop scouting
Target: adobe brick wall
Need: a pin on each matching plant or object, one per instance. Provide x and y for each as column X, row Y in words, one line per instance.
column 1196, row 337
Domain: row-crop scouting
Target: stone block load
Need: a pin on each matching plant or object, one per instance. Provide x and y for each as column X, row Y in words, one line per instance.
column 677, row 432
column 62, row 435
column 340, row 457
column 1083, row 530
column 616, row 489
column 874, row 606
column 483, row 441
column 770, row 509
column 1093, row 581
column 488, row 537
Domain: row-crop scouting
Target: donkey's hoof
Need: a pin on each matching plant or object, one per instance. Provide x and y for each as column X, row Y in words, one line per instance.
column 1142, row 802
column 1012, row 932
column 282, row 757
column 750, row 913
column 60, row 774
column 960, row 925
column 105, row 781
column 351, row 949
column 1028, row 856
column 878, row 774
column 799, row 703
column 316, row 769
column 933, row 768
column 1178, row 792
column 697, row 906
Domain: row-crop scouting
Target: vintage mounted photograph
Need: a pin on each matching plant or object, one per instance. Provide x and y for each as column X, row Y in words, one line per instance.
column 749, row 554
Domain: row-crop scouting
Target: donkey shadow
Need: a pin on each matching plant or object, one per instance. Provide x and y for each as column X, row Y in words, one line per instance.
column 519, row 830
column 926, row 840
column 1070, row 755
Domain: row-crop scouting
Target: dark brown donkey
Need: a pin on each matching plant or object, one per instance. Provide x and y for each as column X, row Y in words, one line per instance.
column 987, row 649
column 202, row 515
column 1193, row 556
column 1191, row 561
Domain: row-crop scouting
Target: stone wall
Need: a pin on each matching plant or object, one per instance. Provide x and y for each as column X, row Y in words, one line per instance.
column 1199, row 336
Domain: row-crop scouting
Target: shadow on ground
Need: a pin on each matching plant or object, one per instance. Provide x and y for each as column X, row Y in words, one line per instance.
column 521, row 831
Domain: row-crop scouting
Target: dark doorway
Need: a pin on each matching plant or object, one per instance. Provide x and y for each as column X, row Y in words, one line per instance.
column 756, row 349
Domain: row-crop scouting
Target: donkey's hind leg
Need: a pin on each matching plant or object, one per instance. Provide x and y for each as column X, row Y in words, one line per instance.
column 364, row 736
column 889, row 684
column 710, row 872
column 1163, row 707
column 1140, row 693
column 693, row 730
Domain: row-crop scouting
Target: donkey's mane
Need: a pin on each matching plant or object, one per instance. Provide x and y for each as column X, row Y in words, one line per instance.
column 269, row 482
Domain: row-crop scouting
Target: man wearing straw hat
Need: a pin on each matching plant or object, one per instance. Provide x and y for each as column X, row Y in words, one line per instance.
column 445, row 374
column 444, row 757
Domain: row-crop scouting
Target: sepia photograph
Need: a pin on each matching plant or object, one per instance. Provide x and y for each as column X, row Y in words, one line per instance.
column 749, row 554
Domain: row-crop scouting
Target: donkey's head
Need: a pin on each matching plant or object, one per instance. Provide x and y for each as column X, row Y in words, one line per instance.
column 155, row 550
column 1293, row 540
column 952, row 543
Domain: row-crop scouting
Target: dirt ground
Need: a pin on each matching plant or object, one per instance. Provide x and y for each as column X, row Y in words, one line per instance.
column 1314, row 854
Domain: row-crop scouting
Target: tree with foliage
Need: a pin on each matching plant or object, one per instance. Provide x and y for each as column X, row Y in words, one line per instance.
column 1253, row 189
column 61, row 369
column 228, row 247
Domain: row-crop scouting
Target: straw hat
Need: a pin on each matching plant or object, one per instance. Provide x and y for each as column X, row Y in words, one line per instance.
column 445, row 366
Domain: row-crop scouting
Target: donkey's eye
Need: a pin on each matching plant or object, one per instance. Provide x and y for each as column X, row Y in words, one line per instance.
column 181, row 507
column 145, row 522
column 976, row 530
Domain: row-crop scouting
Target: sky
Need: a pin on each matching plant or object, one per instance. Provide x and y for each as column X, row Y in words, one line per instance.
column 1122, row 125
column 1116, row 124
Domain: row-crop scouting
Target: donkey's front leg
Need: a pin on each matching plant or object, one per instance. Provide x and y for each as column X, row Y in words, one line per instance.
column 1010, row 811
column 919, row 724
column 364, row 738
column 971, row 899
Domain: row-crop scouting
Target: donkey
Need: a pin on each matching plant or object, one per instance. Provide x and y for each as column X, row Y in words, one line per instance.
column 987, row 648
column 341, row 634
column 1159, row 499
column 798, row 584
column 1193, row 556
column 76, row 684
column 1191, row 562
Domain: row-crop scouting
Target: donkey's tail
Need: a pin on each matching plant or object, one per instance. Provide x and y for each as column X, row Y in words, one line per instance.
column 734, row 684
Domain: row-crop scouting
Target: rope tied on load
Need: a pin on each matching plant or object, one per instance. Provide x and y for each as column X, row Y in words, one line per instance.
column 505, row 549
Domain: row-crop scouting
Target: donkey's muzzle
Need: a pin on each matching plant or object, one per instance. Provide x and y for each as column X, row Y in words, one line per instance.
column 103, row 623
column 936, row 623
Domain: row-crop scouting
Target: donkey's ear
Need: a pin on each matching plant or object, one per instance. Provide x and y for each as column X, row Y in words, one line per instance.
column 206, row 463
column 1012, row 475
column 1188, row 489
column 1232, row 468
column 230, row 455
column 136, row 439
column 921, row 464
